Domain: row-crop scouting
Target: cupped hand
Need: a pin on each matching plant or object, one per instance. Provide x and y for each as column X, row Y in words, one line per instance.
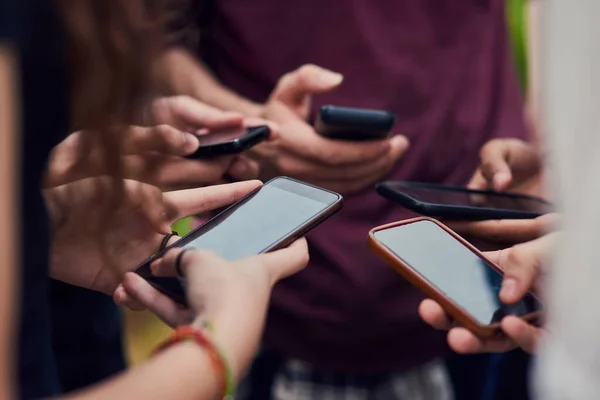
column 300, row 152
column 94, row 245
column 522, row 266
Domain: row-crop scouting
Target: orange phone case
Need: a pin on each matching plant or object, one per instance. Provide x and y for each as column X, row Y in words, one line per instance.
column 412, row 276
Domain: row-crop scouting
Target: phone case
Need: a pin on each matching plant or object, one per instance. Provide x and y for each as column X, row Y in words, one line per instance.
column 354, row 124
column 387, row 190
column 453, row 310
column 175, row 287
column 251, row 138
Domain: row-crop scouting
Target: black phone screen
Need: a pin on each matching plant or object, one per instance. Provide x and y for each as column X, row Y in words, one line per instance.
column 464, row 277
column 466, row 198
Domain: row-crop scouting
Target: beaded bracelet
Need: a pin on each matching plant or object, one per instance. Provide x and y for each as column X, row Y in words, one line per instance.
column 217, row 357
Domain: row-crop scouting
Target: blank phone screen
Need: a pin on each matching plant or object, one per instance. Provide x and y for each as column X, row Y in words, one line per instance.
column 474, row 199
column 257, row 223
column 455, row 270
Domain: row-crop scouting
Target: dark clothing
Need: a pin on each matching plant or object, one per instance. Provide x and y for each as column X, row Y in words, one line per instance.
column 85, row 325
column 86, row 335
column 443, row 67
column 32, row 28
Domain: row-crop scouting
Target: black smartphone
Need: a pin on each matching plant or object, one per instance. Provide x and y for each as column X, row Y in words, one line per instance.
column 459, row 203
column 354, row 124
column 229, row 142
column 269, row 218
column 451, row 271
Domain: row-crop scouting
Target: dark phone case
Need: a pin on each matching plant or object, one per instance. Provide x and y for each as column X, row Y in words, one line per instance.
column 354, row 124
column 174, row 287
column 415, row 279
column 387, row 190
column 251, row 138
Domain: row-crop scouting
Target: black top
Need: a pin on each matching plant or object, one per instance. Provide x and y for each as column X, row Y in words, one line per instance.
column 32, row 27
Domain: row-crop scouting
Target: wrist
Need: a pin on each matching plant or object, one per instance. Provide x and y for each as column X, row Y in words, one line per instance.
column 202, row 339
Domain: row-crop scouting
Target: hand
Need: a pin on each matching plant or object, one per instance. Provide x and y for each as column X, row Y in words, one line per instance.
column 509, row 165
column 153, row 155
column 300, row 152
column 233, row 296
column 93, row 249
column 522, row 266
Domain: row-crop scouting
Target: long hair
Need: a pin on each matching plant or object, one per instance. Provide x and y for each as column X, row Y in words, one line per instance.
column 112, row 47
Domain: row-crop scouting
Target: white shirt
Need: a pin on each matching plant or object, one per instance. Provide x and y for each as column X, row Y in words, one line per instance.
column 569, row 363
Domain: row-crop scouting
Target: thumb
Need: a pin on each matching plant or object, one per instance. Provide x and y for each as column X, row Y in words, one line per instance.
column 521, row 266
column 285, row 262
column 294, row 88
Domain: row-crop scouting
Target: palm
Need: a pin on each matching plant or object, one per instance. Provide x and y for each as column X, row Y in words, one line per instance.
column 98, row 249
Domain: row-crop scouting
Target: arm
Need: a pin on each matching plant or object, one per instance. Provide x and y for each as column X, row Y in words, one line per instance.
column 185, row 74
column 175, row 372
column 9, row 234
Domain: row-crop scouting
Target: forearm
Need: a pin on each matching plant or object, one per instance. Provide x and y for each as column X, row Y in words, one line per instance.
column 183, row 371
column 185, row 74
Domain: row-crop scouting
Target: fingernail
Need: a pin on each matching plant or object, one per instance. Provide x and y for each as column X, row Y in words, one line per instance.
column 509, row 288
column 399, row 141
column 191, row 143
column 501, row 180
column 331, row 78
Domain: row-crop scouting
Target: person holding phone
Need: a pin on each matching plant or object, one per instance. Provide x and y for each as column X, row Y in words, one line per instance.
column 445, row 71
column 523, row 266
column 125, row 217
column 153, row 153
column 509, row 165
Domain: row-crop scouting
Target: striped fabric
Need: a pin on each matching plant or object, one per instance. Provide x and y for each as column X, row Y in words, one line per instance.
column 298, row 380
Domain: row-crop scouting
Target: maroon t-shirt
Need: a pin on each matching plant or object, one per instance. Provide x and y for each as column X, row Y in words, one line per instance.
column 443, row 67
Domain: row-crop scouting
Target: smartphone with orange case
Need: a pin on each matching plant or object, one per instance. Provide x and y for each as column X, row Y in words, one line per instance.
column 451, row 271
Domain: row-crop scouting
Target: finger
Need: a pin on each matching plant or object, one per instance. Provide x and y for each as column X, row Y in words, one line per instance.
column 507, row 230
column 478, row 182
column 162, row 306
column 195, row 114
column 433, row 314
column 464, row 341
column 170, row 173
column 356, row 174
column 149, row 199
column 522, row 265
column 526, row 336
column 122, row 298
column 162, row 139
column 285, row 262
column 184, row 203
column 495, row 168
column 293, row 87
column 520, row 270
column 243, row 169
column 274, row 129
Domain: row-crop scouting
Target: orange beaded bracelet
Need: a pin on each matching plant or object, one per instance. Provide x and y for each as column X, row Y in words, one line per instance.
column 216, row 356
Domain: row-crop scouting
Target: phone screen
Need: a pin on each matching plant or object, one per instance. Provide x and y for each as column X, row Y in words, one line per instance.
column 475, row 199
column 469, row 281
column 221, row 136
column 255, row 224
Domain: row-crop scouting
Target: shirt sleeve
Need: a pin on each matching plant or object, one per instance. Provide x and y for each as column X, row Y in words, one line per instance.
column 569, row 358
column 11, row 26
